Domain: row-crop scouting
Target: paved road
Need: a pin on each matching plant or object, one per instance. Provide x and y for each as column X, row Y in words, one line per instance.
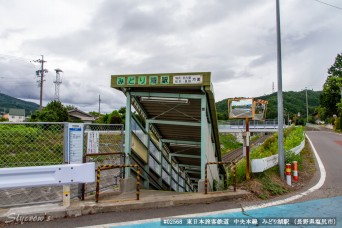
column 312, row 214
column 329, row 147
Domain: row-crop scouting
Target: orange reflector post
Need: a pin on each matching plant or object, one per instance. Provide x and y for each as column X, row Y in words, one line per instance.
column 288, row 174
column 295, row 171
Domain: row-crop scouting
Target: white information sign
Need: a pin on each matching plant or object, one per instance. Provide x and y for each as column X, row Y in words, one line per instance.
column 93, row 142
column 187, row 79
column 75, row 133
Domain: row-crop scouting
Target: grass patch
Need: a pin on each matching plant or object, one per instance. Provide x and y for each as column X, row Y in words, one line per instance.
column 293, row 136
column 268, row 184
column 228, row 143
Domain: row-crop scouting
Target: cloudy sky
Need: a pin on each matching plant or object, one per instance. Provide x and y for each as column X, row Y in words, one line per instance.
column 234, row 39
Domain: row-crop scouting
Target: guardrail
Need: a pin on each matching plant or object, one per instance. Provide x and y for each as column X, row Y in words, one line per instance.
column 262, row 164
column 233, row 167
column 105, row 167
column 21, row 177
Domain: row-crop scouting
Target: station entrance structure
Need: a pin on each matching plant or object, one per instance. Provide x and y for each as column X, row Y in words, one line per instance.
column 174, row 131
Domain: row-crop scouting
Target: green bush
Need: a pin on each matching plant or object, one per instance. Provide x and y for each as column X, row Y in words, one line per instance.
column 294, row 138
column 27, row 145
column 291, row 157
column 240, row 172
column 337, row 125
column 228, row 143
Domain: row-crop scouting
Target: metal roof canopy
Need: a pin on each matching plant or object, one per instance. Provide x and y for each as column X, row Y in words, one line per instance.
column 176, row 105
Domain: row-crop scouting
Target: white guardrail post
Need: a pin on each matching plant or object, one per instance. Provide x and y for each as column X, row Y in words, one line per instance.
column 262, row 164
column 34, row 176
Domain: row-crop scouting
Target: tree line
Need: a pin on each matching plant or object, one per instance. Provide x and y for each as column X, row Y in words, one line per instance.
column 55, row 111
column 325, row 105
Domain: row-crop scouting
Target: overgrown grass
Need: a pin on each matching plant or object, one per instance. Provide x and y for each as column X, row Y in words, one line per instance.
column 228, row 143
column 293, row 137
column 268, row 184
column 43, row 144
column 27, row 145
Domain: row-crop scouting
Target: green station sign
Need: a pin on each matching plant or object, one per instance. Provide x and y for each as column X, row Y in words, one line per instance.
column 165, row 79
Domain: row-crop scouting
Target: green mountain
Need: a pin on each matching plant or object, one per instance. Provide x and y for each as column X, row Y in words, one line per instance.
column 7, row 102
column 294, row 102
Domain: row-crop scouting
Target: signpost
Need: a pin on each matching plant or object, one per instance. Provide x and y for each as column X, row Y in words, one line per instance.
column 93, row 141
column 74, row 153
column 75, row 145
column 247, row 108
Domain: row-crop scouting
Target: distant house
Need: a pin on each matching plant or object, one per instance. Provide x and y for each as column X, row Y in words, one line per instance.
column 15, row 115
column 80, row 116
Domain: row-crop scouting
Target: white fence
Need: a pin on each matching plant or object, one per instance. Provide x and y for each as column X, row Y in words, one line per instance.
column 262, row 164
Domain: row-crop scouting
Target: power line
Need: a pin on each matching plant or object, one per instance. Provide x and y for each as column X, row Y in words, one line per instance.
column 99, row 104
column 328, row 4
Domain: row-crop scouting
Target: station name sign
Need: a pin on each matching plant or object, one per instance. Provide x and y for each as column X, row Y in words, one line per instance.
column 157, row 80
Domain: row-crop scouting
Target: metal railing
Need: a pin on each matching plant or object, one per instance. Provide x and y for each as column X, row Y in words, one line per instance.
column 107, row 167
column 103, row 144
column 254, row 125
column 233, row 169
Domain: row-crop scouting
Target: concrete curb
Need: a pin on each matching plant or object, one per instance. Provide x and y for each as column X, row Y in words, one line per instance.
column 78, row 208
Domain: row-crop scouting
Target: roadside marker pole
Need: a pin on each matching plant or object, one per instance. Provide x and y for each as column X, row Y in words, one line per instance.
column 288, row 174
column 295, row 171
column 66, row 195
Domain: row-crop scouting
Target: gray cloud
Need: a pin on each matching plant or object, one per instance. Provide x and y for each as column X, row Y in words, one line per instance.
column 235, row 40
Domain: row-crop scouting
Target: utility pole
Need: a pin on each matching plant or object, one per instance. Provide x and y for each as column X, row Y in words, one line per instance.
column 272, row 87
column 99, row 104
column 247, row 149
column 307, row 105
column 57, row 83
column 40, row 73
column 281, row 155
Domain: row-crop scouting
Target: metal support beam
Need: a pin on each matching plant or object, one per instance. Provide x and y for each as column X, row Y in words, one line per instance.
column 182, row 123
column 193, row 171
column 177, row 167
column 203, row 135
column 181, row 142
column 139, row 107
column 193, row 168
column 168, row 95
column 128, row 138
column 170, row 171
column 147, row 167
column 189, row 166
column 184, row 155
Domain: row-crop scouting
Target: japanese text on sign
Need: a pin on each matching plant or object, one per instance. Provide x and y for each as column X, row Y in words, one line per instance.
column 75, row 143
column 187, row 79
